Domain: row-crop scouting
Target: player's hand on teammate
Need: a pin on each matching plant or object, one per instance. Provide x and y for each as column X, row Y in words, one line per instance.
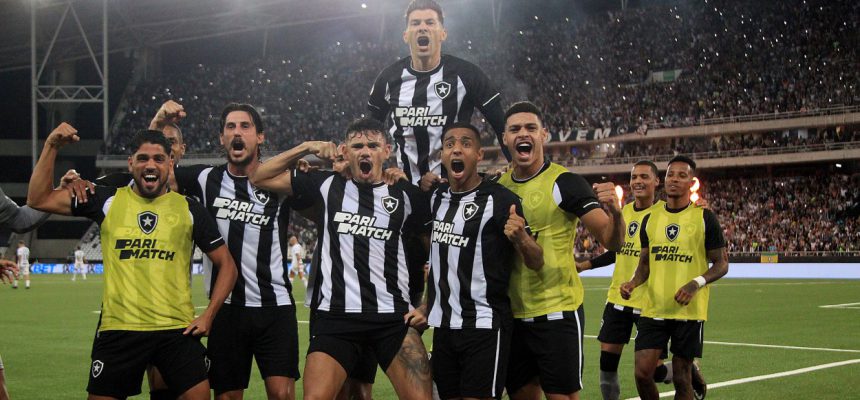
column 497, row 173
column 685, row 294
column 626, row 290
column 62, row 135
column 170, row 112
column 8, row 271
column 605, row 192
column 200, row 326
column 392, row 175
column 515, row 227
column 429, row 181
column 417, row 318
column 81, row 189
column 304, row 166
column 70, row 177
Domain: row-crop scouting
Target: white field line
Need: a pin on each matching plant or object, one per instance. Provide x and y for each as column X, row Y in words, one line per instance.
column 769, row 376
column 768, row 346
column 855, row 306
column 722, row 284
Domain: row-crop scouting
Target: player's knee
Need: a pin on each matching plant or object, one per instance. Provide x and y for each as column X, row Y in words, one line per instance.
column 279, row 393
column 643, row 373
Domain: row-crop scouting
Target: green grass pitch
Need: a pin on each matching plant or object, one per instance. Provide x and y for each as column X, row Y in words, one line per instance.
column 757, row 328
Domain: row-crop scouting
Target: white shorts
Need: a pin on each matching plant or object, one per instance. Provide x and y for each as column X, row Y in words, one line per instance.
column 24, row 269
column 80, row 267
column 297, row 268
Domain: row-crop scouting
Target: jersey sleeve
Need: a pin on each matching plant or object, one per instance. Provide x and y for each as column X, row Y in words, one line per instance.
column 306, row 186
column 489, row 101
column 377, row 104
column 186, row 180
column 603, row 260
column 643, row 235
column 714, row 238
column 419, row 220
column 116, row 179
column 574, row 195
column 205, row 234
column 94, row 208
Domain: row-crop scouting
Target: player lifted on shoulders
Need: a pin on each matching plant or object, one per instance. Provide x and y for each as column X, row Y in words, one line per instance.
column 420, row 95
column 547, row 303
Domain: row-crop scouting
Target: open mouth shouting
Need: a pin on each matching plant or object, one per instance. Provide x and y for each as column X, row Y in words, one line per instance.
column 524, row 148
column 365, row 166
column 457, row 166
column 237, row 146
column 423, row 41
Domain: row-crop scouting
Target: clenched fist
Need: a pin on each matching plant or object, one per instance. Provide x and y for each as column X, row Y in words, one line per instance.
column 605, row 192
column 62, row 135
column 515, row 228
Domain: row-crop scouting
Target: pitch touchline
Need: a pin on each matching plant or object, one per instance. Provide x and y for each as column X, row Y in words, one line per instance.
column 769, row 376
column 846, row 305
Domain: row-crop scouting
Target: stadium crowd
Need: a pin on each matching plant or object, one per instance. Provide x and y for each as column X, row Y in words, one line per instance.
column 720, row 63
column 784, row 214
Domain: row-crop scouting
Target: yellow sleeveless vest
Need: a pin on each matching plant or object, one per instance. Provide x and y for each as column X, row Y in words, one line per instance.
column 147, row 246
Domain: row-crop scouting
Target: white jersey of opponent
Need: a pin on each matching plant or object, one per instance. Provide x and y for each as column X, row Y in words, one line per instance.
column 23, row 256
column 296, row 254
column 79, row 256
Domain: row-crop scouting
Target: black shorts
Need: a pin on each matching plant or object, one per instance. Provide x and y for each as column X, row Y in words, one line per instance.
column 364, row 370
column 346, row 338
column 549, row 349
column 687, row 336
column 119, row 359
column 470, row 362
column 617, row 324
column 268, row 334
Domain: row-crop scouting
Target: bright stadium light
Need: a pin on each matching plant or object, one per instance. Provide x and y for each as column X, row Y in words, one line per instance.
column 363, row 5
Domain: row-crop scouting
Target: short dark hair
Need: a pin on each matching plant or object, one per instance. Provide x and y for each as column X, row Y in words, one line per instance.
column 686, row 160
column 524, row 107
column 463, row 125
column 425, row 5
column 650, row 164
column 178, row 131
column 366, row 124
column 255, row 115
column 149, row 136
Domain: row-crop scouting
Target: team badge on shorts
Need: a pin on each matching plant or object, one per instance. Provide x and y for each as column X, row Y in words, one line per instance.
column 632, row 228
column 443, row 89
column 469, row 210
column 98, row 367
column 147, row 221
column 390, row 204
column 672, row 231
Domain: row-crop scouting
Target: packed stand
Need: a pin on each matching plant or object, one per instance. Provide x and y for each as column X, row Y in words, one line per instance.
column 790, row 215
column 734, row 58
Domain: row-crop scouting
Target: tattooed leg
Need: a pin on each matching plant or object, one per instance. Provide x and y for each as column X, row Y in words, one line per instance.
column 409, row 372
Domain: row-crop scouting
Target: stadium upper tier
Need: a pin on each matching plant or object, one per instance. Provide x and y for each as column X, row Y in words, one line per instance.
column 655, row 66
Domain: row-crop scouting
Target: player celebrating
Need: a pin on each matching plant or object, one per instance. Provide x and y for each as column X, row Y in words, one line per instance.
column 677, row 243
column 23, row 257
column 478, row 232
column 361, row 293
column 547, row 304
column 422, row 94
column 149, row 232
column 80, row 264
column 259, row 319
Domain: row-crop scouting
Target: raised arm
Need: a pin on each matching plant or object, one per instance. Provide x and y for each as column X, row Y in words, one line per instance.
column 606, row 227
column 169, row 112
column 41, row 194
column 274, row 175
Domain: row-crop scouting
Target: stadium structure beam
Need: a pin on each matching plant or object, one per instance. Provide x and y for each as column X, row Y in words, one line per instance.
column 66, row 94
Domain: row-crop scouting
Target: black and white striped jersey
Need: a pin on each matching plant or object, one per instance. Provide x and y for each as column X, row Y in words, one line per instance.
column 254, row 224
column 419, row 105
column 471, row 258
column 361, row 255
